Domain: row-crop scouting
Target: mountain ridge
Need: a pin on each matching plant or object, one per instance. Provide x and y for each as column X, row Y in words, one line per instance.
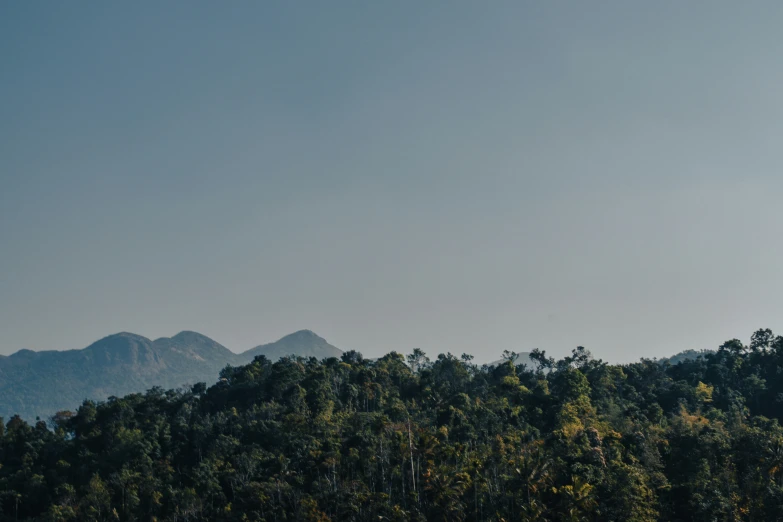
column 40, row 383
column 302, row 342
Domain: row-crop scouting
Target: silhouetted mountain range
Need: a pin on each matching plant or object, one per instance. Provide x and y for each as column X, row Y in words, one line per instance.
column 38, row 384
column 304, row 343
column 41, row 383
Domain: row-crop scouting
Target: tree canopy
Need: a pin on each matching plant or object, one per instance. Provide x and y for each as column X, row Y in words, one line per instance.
column 413, row 438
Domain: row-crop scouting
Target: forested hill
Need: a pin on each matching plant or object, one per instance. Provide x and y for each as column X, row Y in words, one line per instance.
column 34, row 384
column 412, row 439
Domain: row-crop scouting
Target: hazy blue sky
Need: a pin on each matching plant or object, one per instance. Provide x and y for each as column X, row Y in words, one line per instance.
column 461, row 176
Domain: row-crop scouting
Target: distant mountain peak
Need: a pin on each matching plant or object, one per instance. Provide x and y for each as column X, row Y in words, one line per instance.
column 302, row 334
column 196, row 346
column 24, row 352
column 191, row 336
column 305, row 343
column 118, row 341
column 126, row 335
column 39, row 383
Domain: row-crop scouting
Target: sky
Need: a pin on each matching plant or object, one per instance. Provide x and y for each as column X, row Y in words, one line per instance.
column 451, row 175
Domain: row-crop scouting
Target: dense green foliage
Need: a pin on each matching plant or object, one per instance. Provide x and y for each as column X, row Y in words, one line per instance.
column 410, row 439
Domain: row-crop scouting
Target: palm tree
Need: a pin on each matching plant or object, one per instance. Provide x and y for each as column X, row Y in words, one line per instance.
column 577, row 499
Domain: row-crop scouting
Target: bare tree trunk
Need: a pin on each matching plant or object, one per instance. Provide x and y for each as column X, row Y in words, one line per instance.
column 410, row 446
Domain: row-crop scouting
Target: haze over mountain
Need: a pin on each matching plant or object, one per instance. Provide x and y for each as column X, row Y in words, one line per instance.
column 42, row 383
column 38, row 384
column 303, row 342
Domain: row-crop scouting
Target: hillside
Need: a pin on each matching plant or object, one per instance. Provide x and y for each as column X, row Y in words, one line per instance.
column 303, row 343
column 34, row 384
column 687, row 355
column 368, row 440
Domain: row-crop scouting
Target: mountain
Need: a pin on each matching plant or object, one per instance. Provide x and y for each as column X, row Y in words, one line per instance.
column 303, row 342
column 36, row 384
column 687, row 355
column 321, row 442
column 521, row 358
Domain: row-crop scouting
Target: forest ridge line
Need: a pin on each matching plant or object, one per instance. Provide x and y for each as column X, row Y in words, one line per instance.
column 412, row 438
